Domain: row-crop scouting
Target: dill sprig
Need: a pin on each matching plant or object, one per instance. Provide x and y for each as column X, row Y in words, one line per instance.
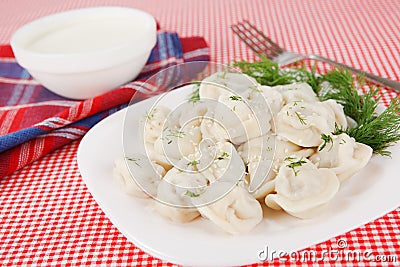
column 327, row 140
column 172, row 133
column 301, row 119
column 176, row 133
column 293, row 164
column 193, row 163
column 342, row 89
column 192, row 194
column 268, row 73
column 235, row 98
column 150, row 114
column 223, row 156
column 379, row 131
column 195, row 95
column 134, row 160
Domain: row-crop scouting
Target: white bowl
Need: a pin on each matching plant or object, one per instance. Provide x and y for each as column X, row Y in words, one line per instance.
column 83, row 53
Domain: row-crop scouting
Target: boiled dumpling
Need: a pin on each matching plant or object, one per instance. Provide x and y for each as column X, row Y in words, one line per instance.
column 153, row 123
column 225, row 83
column 337, row 109
column 229, row 117
column 190, row 113
column 261, row 175
column 300, row 92
column 262, row 147
column 285, row 148
column 150, row 131
column 303, row 123
column 180, row 135
column 236, row 104
column 177, row 143
column 258, row 155
column 230, row 207
column 271, row 147
column 137, row 175
column 263, row 109
column 221, row 162
column 241, row 120
column 302, row 189
column 213, row 130
column 263, row 156
column 273, row 97
column 156, row 157
column 175, row 192
column 234, row 115
column 266, row 101
column 343, row 155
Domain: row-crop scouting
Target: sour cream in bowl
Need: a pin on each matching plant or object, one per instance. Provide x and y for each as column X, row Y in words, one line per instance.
column 86, row 52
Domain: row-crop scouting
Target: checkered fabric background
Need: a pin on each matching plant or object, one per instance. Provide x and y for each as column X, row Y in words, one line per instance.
column 48, row 216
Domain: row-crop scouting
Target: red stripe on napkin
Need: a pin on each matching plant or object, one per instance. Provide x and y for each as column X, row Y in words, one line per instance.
column 6, row 51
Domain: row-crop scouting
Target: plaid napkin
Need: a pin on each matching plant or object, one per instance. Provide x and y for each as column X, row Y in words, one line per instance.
column 35, row 121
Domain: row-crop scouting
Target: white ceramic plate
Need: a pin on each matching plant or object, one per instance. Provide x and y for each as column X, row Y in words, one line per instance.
column 370, row 194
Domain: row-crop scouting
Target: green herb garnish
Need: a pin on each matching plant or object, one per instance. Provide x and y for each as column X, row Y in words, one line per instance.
column 338, row 130
column 193, row 163
column 327, row 140
column 134, row 160
column 150, row 115
column 192, row 194
column 172, row 133
column 236, row 98
column 268, row 73
column 223, row 156
column 342, row 89
column 293, row 164
column 376, row 131
column 176, row 133
column 379, row 131
column 301, row 119
column 255, row 88
column 195, row 95
column 238, row 181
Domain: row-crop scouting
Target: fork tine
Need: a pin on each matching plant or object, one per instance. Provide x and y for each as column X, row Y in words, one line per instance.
column 262, row 42
column 256, row 43
column 266, row 38
column 258, row 47
column 249, row 42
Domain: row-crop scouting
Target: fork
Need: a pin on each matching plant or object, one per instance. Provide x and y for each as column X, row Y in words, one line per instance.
column 263, row 45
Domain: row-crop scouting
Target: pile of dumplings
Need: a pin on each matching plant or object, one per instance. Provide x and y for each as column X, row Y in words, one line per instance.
column 239, row 146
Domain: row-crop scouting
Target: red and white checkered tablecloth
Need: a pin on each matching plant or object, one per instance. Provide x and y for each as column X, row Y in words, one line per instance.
column 48, row 216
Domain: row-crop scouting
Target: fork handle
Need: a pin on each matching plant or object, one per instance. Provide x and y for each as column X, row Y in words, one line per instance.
column 374, row 78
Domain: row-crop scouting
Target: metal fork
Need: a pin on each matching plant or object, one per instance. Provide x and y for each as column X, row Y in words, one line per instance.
column 263, row 45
